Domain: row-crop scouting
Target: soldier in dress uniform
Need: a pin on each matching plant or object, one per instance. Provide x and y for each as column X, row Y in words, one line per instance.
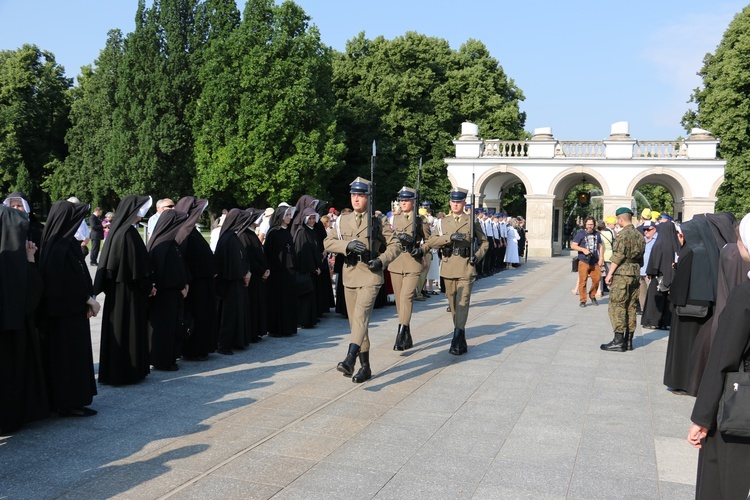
column 622, row 279
column 362, row 271
column 407, row 266
column 459, row 260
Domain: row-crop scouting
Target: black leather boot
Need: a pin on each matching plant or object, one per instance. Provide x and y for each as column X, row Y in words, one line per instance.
column 364, row 372
column 456, row 342
column 408, row 343
column 628, row 341
column 347, row 366
column 617, row 344
column 462, row 346
column 399, row 344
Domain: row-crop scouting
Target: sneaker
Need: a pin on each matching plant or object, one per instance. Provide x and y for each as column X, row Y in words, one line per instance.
column 581, row 304
column 593, row 301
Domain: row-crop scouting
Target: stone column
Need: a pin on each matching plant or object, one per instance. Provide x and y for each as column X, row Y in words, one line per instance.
column 557, row 245
column 610, row 204
column 539, row 224
column 693, row 206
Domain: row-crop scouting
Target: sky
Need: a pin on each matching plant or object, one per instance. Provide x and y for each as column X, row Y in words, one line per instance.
column 582, row 65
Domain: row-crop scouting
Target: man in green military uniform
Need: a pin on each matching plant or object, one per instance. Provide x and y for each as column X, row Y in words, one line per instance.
column 458, row 266
column 363, row 272
column 410, row 229
column 622, row 280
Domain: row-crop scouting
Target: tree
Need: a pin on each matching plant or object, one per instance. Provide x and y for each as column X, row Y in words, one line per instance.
column 151, row 149
column 411, row 95
column 723, row 107
column 264, row 126
column 83, row 172
column 34, row 108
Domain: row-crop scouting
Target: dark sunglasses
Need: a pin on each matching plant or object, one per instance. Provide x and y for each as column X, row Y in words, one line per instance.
column 167, row 206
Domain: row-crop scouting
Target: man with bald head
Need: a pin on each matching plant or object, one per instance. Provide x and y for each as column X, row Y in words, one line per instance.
column 161, row 205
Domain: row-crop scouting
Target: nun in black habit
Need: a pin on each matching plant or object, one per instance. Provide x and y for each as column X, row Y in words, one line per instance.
column 233, row 276
column 656, row 311
column 308, row 264
column 64, row 312
column 257, row 322
column 281, row 282
column 23, row 394
column 125, row 277
column 723, row 460
column 324, row 284
column 678, row 367
column 20, row 201
column 200, row 303
column 171, row 278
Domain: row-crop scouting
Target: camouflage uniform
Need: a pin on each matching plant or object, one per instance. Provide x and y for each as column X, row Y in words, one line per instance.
column 627, row 253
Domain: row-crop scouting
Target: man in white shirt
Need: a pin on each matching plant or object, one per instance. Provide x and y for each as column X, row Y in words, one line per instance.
column 161, row 205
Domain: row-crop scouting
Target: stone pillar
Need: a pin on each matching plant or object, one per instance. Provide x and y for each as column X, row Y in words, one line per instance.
column 610, row 204
column 539, row 210
column 693, row 206
column 557, row 245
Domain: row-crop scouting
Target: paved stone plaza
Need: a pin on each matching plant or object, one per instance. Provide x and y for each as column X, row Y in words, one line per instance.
column 534, row 410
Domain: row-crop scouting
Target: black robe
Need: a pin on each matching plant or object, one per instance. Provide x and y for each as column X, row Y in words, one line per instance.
column 323, row 283
column 231, row 268
column 200, row 303
column 166, row 310
column 125, row 277
column 23, row 393
column 678, row 367
column 657, row 311
column 281, row 283
column 723, row 461
column 338, row 268
column 257, row 321
column 63, row 320
column 307, row 260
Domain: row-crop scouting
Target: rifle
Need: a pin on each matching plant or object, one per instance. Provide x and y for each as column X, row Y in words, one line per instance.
column 415, row 210
column 471, row 227
column 371, row 202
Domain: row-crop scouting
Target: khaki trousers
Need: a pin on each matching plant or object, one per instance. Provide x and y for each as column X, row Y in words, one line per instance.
column 458, row 291
column 403, row 288
column 359, row 304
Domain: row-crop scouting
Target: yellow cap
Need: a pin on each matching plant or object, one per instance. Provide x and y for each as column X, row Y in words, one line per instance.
column 646, row 214
column 610, row 219
column 655, row 216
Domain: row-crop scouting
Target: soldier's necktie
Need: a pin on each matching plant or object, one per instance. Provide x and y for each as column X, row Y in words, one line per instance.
column 457, row 218
column 407, row 217
column 359, row 221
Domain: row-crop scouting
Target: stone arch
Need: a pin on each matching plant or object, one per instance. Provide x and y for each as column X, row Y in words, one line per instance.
column 571, row 177
column 716, row 186
column 665, row 177
column 492, row 174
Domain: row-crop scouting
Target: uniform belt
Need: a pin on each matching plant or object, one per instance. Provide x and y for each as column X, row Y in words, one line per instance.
column 631, row 261
column 353, row 258
column 449, row 251
column 407, row 248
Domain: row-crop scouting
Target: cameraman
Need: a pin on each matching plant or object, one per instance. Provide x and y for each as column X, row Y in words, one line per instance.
column 588, row 244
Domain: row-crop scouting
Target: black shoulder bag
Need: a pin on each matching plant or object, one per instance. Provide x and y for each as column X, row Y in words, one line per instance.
column 734, row 408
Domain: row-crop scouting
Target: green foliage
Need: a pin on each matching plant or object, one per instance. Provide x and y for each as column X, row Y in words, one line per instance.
column 34, row 109
column 655, row 197
column 264, row 125
column 724, row 109
column 411, row 94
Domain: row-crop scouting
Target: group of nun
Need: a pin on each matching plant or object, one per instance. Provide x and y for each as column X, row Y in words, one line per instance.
column 46, row 361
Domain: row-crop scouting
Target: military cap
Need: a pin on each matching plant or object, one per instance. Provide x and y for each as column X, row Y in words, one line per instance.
column 360, row 186
column 666, row 217
column 626, row 210
column 407, row 193
column 459, row 194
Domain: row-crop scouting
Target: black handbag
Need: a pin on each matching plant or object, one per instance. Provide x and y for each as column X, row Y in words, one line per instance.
column 692, row 311
column 575, row 265
column 734, row 408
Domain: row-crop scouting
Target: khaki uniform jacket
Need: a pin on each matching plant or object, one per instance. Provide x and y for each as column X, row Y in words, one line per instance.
column 356, row 272
column 457, row 266
column 405, row 263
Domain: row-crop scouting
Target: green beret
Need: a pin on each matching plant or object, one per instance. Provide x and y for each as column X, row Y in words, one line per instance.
column 623, row 210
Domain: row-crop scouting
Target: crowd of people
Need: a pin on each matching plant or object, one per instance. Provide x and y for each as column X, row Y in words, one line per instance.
column 172, row 295
column 273, row 271
column 689, row 278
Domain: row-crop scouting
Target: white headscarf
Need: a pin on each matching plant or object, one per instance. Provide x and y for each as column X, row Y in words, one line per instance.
column 745, row 234
column 144, row 208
